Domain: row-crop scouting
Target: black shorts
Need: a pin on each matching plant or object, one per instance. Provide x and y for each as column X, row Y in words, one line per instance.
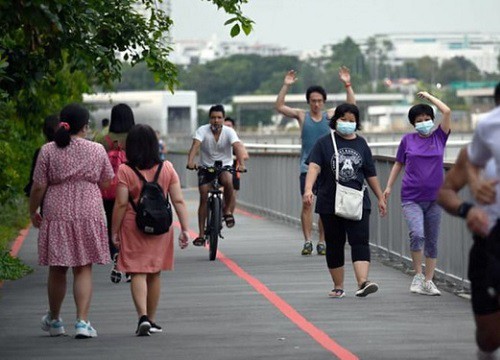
column 205, row 177
column 484, row 273
column 236, row 181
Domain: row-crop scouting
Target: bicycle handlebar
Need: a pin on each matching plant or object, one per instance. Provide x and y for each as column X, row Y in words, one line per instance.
column 229, row 168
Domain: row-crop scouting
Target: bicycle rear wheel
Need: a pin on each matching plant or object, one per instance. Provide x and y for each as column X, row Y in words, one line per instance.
column 215, row 225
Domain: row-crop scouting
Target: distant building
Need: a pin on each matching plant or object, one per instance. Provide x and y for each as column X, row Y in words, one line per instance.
column 189, row 52
column 168, row 113
column 480, row 48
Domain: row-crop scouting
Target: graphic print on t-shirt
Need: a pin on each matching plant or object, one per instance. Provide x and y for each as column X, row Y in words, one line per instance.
column 350, row 163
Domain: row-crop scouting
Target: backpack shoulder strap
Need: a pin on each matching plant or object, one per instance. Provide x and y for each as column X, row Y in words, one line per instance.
column 157, row 174
column 142, row 178
column 139, row 175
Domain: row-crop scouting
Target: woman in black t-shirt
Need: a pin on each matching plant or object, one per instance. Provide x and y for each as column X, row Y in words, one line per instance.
column 355, row 166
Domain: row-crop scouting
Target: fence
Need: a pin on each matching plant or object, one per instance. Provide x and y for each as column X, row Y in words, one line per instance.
column 271, row 187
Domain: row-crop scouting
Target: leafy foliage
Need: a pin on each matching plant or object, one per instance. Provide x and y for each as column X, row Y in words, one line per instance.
column 53, row 51
column 11, row 268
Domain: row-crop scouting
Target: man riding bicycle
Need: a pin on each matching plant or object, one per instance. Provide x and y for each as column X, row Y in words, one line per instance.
column 215, row 142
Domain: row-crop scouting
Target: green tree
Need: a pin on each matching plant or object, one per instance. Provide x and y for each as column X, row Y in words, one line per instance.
column 218, row 80
column 427, row 69
column 458, row 69
column 137, row 77
column 349, row 54
column 377, row 54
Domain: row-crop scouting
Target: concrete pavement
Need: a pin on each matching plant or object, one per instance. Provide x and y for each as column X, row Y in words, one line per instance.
column 260, row 300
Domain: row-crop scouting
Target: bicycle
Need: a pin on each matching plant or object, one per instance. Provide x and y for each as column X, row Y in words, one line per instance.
column 214, row 206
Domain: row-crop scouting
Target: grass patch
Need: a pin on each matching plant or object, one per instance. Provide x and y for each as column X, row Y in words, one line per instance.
column 14, row 216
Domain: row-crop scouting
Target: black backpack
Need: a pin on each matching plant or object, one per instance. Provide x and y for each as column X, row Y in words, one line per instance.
column 153, row 210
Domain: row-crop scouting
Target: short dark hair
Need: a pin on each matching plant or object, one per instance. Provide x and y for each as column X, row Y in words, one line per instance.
column 218, row 108
column 104, row 122
column 315, row 88
column 230, row 119
column 141, row 147
column 420, row 109
column 122, row 119
column 76, row 116
column 497, row 94
column 341, row 110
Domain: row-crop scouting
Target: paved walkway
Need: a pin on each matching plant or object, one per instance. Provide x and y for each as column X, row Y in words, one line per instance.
column 260, row 300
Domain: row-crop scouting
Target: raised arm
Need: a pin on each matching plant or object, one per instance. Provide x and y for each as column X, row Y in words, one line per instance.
column 345, row 78
column 290, row 79
column 442, row 107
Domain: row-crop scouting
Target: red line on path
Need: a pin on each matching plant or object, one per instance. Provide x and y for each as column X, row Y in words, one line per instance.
column 293, row 315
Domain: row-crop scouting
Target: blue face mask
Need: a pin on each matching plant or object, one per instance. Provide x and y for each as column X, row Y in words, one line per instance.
column 346, row 127
column 424, row 127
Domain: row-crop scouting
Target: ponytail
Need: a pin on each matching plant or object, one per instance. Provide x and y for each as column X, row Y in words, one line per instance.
column 62, row 136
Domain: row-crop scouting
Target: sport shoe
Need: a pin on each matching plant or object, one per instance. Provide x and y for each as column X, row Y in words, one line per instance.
column 429, row 288
column 115, row 275
column 53, row 326
column 366, row 288
column 321, row 248
column 336, row 293
column 143, row 326
column 308, row 248
column 417, row 282
column 83, row 330
column 155, row 328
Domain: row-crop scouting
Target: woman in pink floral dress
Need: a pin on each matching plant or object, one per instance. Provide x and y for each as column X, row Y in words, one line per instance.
column 72, row 231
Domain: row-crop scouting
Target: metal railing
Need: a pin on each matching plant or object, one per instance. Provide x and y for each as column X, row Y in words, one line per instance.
column 271, row 187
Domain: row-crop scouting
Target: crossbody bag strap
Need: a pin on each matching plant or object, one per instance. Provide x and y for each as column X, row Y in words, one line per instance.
column 332, row 133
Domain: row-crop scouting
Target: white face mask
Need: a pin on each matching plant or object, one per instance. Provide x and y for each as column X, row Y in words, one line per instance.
column 424, row 127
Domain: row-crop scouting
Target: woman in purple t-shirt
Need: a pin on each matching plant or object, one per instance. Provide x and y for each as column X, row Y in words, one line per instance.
column 421, row 153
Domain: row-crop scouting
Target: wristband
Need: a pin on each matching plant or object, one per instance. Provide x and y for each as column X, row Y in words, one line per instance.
column 464, row 209
column 347, row 85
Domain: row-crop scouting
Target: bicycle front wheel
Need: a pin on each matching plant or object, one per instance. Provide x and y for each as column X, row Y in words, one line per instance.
column 215, row 226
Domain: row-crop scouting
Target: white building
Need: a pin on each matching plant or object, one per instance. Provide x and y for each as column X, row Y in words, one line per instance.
column 480, row 48
column 163, row 111
column 201, row 51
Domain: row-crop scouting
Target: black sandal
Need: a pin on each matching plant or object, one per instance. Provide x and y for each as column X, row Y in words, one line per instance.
column 229, row 219
column 199, row 241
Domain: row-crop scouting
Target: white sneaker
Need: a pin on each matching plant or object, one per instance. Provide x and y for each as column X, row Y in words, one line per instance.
column 53, row 326
column 83, row 330
column 417, row 282
column 429, row 288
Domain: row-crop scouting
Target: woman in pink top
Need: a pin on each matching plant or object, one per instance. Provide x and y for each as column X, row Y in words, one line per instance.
column 144, row 255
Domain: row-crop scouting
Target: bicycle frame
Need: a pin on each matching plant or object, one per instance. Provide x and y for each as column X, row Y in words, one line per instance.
column 213, row 224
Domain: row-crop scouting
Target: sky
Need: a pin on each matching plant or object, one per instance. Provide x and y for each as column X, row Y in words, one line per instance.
column 307, row 25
